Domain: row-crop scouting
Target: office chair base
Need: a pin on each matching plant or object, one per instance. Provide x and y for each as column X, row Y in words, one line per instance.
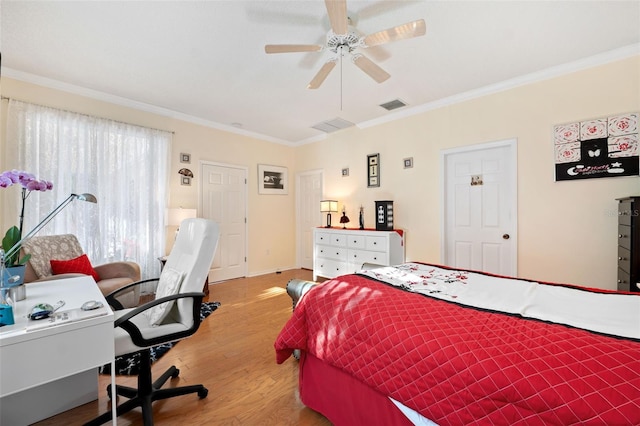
column 147, row 392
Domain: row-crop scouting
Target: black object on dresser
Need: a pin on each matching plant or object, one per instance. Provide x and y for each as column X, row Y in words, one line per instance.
column 629, row 244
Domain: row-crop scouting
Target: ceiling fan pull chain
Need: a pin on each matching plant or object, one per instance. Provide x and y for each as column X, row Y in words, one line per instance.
column 340, row 51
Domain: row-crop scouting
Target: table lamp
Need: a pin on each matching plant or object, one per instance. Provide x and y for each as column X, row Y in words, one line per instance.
column 328, row 206
column 176, row 216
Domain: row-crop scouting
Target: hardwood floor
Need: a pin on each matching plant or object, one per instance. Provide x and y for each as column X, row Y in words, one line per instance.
column 232, row 355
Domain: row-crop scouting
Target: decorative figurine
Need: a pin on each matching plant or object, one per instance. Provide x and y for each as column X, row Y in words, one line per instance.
column 344, row 219
column 361, row 218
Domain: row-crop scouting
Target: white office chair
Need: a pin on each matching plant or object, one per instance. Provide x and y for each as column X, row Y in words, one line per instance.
column 156, row 322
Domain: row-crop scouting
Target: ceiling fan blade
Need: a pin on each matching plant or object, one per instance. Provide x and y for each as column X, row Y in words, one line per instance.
column 321, row 75
column 401, row 32
column 370, row 68
column 289, row 48
column 337, row 10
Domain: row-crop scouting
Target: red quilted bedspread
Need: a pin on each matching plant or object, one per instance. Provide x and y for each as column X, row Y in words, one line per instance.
column 458, row 365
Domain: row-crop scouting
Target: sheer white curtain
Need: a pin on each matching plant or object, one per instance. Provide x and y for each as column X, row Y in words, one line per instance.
column 124, row 166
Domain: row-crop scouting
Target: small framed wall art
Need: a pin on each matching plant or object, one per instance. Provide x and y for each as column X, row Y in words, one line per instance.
column 185, row 158
column 373, row 170
column 272, row 180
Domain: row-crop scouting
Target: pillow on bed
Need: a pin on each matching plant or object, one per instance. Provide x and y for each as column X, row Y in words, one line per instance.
column 168, row 285
column 77, row 265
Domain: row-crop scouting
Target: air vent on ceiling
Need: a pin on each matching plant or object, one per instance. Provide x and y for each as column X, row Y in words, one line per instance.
column 394, row 104
column 333, row 125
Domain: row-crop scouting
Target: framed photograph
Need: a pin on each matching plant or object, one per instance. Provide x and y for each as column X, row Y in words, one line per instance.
column 408, row 162
column 185, row 158
column 272, row 180
column 185, row 180
column 345, row 172
column 373, row 170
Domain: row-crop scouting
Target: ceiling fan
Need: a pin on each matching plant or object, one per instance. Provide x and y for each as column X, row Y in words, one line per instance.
column 341, row 39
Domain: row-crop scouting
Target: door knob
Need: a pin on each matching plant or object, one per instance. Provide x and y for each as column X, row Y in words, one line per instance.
column 506, row 236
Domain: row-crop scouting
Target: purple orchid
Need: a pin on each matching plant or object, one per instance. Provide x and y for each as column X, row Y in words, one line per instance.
column 29, row 183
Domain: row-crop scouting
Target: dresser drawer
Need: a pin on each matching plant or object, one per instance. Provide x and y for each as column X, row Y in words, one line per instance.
column 331, row 252
column 624, row 259
column 624, row 236
column 329, row 268
column 625, row 213
column 338, row 240
column 359, row 257
column 376, row 243
column 323, row 238
column 623, row 280
column 356, row 241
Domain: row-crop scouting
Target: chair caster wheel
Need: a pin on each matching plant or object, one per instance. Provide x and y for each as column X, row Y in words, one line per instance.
column 175, row 374
column 203, row 393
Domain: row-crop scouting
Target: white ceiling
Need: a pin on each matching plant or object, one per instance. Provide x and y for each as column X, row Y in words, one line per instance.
column 204, row 61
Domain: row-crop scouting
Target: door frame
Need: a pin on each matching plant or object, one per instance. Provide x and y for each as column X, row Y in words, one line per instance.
column 299, row 242
column 512, row 144
column 246, row 202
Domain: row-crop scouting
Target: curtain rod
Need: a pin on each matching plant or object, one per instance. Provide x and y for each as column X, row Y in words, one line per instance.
column 86, row 115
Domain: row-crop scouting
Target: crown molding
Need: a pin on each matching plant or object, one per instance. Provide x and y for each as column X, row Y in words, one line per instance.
column 582, row 64
column 546, row 74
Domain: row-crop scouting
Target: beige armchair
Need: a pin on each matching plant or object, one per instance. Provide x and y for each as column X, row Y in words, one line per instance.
column 64, row 247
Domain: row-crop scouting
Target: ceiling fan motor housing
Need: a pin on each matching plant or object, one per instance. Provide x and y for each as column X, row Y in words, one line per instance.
column 350, row 41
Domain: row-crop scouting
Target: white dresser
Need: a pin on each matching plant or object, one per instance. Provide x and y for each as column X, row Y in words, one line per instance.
column 339, row 251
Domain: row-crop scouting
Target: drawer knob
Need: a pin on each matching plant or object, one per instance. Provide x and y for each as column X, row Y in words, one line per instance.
column 621, row 258
column 621, row 281
column 375, row 243
column 621, row 236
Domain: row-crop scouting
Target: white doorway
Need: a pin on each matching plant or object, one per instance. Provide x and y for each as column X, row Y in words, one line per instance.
column 308, row 197
column 223, row 199
column 479, row 202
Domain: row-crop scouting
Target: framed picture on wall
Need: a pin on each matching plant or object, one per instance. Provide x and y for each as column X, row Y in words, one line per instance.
column 272, row 180
column 373, row 170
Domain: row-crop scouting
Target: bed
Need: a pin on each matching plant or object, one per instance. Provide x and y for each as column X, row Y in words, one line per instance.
column 427, row 344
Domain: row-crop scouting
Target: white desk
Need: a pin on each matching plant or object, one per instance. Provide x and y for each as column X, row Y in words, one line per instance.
column 49, row 370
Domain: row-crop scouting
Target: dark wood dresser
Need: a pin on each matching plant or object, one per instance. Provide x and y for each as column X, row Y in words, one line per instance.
column 629, row 243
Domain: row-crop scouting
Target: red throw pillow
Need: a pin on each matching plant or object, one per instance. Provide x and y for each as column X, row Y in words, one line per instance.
column 79, row 265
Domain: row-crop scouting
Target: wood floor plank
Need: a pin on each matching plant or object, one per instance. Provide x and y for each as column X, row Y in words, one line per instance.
column 232, row 355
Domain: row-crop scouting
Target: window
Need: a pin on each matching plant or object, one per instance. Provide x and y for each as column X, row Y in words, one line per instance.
column 124, row 166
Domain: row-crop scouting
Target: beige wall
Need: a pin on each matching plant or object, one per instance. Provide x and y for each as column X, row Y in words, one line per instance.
column 566, row 230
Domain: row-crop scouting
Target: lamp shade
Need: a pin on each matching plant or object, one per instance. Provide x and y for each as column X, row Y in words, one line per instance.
column 327, row 206
column 176, row 216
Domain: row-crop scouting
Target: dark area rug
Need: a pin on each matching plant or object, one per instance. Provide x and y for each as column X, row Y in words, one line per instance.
column 129, row 364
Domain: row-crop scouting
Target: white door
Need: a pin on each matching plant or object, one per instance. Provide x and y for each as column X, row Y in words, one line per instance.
column 308, row 196
column 480, row 207
column 224, row 200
